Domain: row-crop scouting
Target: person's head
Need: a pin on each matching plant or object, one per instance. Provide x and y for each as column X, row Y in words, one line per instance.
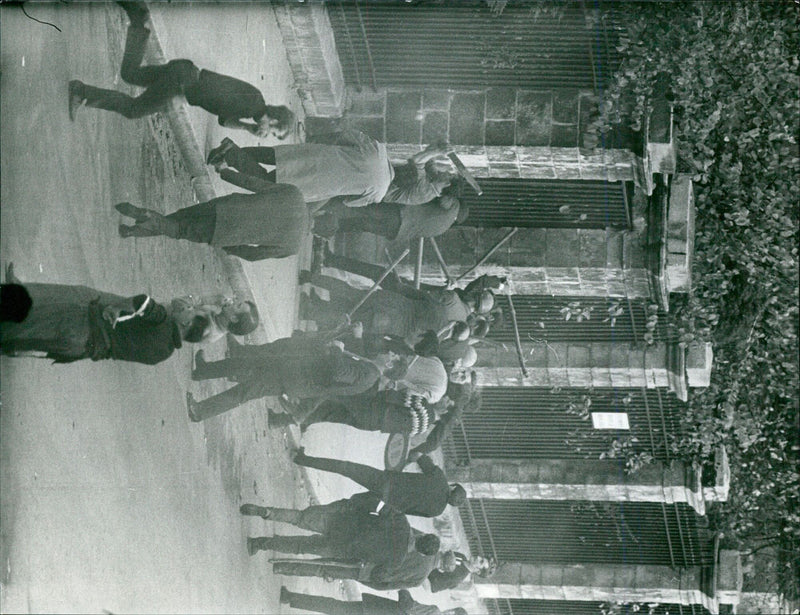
column 447, row 562
column 197, row 328
column 480, row 327
column 427, row 544
column 242, row 317
column 460, row 331
column 458, row 495
column 469, row 358
column 480, row 302
column 15, row 303
column 278, row 121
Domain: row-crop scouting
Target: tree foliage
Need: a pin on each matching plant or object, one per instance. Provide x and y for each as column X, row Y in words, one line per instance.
column 733, row 70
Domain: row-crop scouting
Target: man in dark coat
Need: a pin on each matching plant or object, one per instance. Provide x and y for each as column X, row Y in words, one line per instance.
column 353, row 541
column 424, row 494
column 232, row 100
column 70, row 323
column 464, row 567
column 346, row 530
column 301, row 366
column 269, row 224
column 407, row 570
column 370, row 604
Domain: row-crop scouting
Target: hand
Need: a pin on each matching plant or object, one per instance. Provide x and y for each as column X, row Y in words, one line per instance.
column 358, row 330
column 10, row 277
column 412, row 457
column 111, row 314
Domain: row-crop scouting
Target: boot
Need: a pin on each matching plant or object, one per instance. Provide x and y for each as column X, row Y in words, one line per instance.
column 137, row 12
column 254, row 545
column 140, row 214
column 252, row 510
column 217, row 155
column 76, row 98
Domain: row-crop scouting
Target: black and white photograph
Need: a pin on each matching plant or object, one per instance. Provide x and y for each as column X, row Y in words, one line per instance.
column 400, row 307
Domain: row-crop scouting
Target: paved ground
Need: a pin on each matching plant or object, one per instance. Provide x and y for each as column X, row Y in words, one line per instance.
column 110, row 498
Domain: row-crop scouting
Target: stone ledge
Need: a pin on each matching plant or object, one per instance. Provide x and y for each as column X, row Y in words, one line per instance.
column 311, row 51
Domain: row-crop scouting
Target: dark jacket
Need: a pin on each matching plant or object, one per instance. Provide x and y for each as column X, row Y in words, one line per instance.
column 225, row 97
column 441, row 581
column 421, row 495
column 148, row 338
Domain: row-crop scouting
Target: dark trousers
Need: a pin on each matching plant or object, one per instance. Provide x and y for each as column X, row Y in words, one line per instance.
column 379, row 219
column 323, row 604
column 312, row 568
column 248, row 160
column 163, row 82
column 249, row 386
column 368, row 477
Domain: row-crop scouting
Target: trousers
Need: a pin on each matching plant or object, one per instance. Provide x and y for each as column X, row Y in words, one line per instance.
column 163, row 82
column 323, row 604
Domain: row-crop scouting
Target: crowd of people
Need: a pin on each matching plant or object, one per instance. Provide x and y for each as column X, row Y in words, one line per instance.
column 395, row 360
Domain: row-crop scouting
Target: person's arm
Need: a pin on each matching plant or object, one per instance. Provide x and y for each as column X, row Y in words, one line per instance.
column 230, row 122
column 427, row 466
column 440, row 431
column 248, row 182
column 434, row 150
column 138, row 306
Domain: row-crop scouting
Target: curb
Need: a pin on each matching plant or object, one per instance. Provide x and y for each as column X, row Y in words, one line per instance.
column 189, row 145
column 192, row 153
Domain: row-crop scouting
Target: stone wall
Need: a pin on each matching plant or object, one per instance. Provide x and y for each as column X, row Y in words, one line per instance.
column 491, row 116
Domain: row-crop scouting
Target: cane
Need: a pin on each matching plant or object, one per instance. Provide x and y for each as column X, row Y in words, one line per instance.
column 377, row 284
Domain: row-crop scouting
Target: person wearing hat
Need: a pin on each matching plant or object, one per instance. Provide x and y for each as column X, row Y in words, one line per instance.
column 302, row 366
column 233, row 101
column 69, row 323
column 370, row 604
column 458, row 567
column 346, row 164
column 424, row 494
column 405, row 312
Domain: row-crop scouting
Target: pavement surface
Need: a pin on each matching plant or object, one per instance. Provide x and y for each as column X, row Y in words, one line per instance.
column 111, row 499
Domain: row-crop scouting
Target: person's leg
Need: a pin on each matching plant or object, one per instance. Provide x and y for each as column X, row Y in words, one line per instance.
column 243, row 160
column 312, row 568
column 382, row 219
column 264, row 155
column 224, row 368
column 221, row 402
column 321, row 604
column 340, row 291
column 131, row 70
column 248, row 182
column 368, row 477
column 317, row 545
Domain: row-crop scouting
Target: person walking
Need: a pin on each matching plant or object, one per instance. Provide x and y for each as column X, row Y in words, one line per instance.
column 424, row 494
column 68, row 323
column 302, row 366
column 405, row 312
column 233, row 101
column 396, row 222
column 269, row 224
column 347, row 164
column 370, row 604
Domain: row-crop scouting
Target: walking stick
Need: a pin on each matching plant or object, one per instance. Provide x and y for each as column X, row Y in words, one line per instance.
column 486, row 256
column 439, row 258
column 378, row 283
column 462, row 170
column 517, row 343
column 418, row 267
